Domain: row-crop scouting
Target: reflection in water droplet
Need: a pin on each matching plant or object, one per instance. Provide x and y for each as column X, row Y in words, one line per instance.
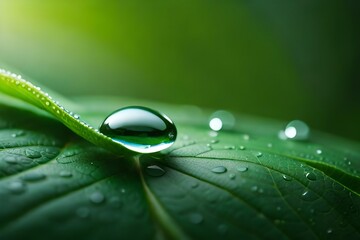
column 16, row 187
column 154, row 171
column 65, row 174
column 242, row 169
column 286, row 178
column 33, row 177
column 140, row 129
column 196, row 218
column 311, row 176
column 219, row 169
column 297, row 130
column 97, row 197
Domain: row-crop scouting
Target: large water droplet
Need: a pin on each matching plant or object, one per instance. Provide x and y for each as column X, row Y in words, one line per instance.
column 297, row 130
column 219, row 169
column 154, row 171
column 140, row 129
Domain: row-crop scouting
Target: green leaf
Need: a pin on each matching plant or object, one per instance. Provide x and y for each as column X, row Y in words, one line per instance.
column 242, row 183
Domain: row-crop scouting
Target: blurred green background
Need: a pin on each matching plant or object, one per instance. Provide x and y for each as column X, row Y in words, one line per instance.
column 279, row 59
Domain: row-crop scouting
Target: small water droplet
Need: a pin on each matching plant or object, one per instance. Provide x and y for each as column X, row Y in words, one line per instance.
column 329, row 231
column 232, row 176
column 318, row 151
column 242, row 169
column 246, row 137
column 137, row 128
column 16, row 187
column 33, row 177
column 254, row 188
column 65, row 174
column 229, row 147
column 219, row 169
column 286, row 177
column 259, row 154
column 194, row 185
column 214, row 141
column 297, row 130
column 241, row 147
column 196, row 218
column 97, row 197
column 123, row 190
column 269, row 145
column 154, row 171
column 76, row 116
column 311, row 176
column 83, row 212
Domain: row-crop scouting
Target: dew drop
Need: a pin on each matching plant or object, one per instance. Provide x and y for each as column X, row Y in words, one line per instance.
column 232, row 176
column 329, row 231
column 242, row 169
column 241, row 147
column 97, row 197
column 311, row 176
column 154, row 171
column 140, row 129
column 16, row 187
column 219, row 169
column 259, row 154
column 33, row 177
column 297, row 130
column 65, row 174
column 196, row 218
column 286, row 177
column 318, row 151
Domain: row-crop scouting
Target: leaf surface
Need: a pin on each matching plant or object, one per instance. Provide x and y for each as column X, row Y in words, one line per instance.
column 241, row 183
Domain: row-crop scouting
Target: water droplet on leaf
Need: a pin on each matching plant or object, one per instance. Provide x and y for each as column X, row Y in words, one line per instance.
column 33, row 177
column 242, row 169
column 219, row 169
column 16, row 187
column 65, row 174
column 286, row 177
column 140, row 129
column 311, row 176
column 97, row 197
column 154, row 171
